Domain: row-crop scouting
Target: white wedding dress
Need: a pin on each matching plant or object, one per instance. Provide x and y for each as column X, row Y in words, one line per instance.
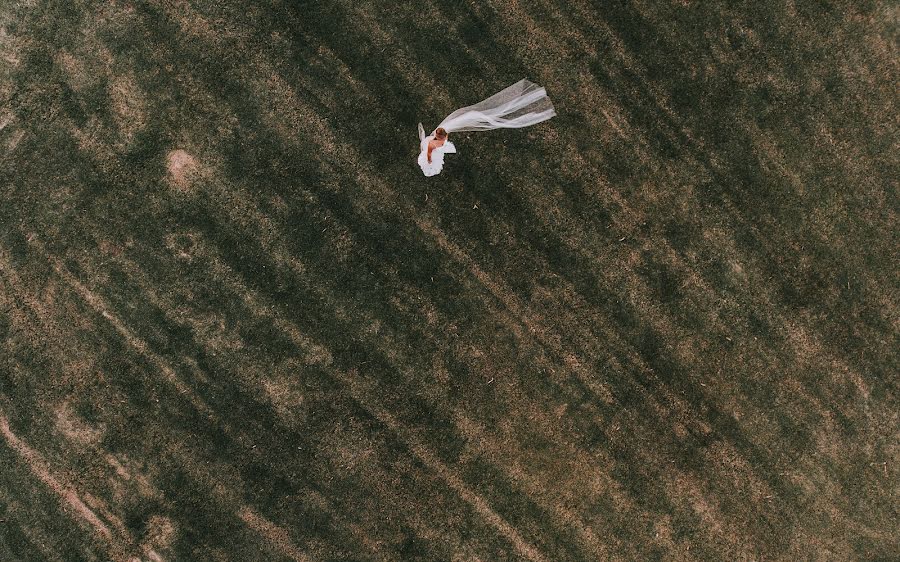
column 434, row 167
column 521, row 105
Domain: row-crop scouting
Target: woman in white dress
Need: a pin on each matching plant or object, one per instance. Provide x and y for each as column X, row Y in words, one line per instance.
column 520, row 105
column 433, row 148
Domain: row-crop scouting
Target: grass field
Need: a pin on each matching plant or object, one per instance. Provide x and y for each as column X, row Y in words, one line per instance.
column 237, row 323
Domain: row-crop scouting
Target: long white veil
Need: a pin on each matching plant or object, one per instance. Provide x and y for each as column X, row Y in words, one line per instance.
column 521, row 105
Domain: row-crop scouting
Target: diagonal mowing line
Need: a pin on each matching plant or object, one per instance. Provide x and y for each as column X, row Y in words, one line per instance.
column 482, row 507
column 512, row 305
column 224, row 273
column 277, row 536
column 97, row 303
column 70, row 499
column 366, row 401
column 33, row 535
column 261, row 526
column 259, row 308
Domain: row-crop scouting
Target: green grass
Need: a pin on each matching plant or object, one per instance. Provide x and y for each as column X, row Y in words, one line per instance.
column 660, row 326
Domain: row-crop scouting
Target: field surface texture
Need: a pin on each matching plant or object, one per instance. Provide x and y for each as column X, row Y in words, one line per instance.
column 237, row 323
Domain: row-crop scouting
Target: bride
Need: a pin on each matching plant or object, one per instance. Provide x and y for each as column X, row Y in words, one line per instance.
column 434, row 146
column 520, row 105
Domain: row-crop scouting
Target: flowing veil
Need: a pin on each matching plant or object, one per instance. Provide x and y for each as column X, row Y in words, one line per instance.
column 521, row 105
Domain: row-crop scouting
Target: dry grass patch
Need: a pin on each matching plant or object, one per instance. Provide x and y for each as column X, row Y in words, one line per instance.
column 161, row 533
column 182, row 168
column 129, row 106
column 75, row 428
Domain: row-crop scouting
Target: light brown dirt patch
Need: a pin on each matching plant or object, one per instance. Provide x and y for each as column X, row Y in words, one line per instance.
column 182, row 168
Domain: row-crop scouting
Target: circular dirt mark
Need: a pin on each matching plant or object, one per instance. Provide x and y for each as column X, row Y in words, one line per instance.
column 182, row 168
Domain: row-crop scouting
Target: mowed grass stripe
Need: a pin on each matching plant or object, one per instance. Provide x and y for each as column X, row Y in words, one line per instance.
column 95, row 301
column 276, row 537
column 240, row 290
column 141, row 347
column 35, row 527
column 69, row 498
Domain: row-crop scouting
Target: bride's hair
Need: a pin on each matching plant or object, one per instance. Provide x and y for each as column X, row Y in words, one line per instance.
column 440, row 133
